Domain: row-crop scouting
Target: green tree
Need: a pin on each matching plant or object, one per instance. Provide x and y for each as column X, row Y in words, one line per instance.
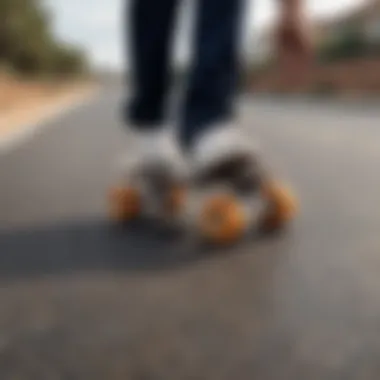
column 27, row 43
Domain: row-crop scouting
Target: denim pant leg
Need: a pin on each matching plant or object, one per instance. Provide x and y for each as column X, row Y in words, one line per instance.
column 150, row 29
column 214, row 75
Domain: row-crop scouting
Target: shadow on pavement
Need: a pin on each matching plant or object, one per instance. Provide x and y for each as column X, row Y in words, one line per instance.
column 97, row 245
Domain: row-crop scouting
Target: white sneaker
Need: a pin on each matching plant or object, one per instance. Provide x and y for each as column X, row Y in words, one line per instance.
column 155, row 148
column 221, row 145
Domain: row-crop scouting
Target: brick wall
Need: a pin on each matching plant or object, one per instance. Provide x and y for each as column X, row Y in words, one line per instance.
column 357, row 76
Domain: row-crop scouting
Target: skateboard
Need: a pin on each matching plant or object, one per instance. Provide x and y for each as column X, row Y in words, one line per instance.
column 221, row 208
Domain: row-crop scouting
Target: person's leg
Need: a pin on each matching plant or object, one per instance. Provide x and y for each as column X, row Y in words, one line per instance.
column 149, row 27
column 215, row 72
column 217, row 148
column 150, row 30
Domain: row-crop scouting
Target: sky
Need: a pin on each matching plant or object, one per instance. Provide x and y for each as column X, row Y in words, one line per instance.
column 97, row 25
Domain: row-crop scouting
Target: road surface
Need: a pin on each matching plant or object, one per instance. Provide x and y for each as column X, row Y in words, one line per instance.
column 83, row 300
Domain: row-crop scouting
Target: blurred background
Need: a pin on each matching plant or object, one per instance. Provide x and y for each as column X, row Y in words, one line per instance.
column 52, row 39
column 81, row 298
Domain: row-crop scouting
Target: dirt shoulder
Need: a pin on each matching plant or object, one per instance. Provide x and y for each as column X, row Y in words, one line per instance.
column 27, row 102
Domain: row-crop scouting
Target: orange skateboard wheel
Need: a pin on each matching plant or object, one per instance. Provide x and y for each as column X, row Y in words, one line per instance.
column 126, row 203
column 222, row 220
column 282, row 205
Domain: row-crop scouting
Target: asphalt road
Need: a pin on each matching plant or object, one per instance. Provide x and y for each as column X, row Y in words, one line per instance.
column 81, row 299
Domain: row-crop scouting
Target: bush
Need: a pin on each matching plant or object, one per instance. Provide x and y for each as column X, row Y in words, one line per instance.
column 69, row 61
column 352, row 44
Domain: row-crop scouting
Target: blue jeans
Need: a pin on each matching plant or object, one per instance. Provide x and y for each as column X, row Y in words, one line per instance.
column 214, row 74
